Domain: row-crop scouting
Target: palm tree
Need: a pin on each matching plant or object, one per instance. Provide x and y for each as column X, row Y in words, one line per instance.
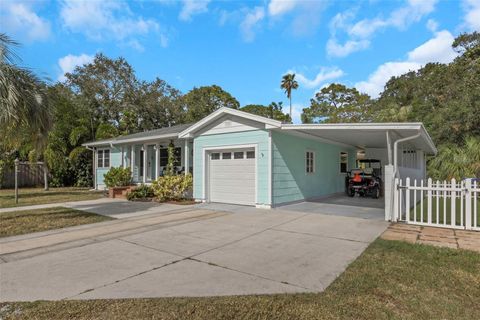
column 288, row 84
column 23, row 103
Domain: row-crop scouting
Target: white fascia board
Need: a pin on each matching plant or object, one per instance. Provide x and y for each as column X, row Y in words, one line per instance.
column 127, row 141
column 224, row 111
column 149, row 138
column 362, row 126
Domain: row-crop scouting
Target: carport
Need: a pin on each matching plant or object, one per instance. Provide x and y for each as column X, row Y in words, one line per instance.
column 401, row 147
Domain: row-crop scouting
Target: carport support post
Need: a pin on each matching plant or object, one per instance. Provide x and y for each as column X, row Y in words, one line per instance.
column 144, row 163
column 389, row 192
column 389, row 148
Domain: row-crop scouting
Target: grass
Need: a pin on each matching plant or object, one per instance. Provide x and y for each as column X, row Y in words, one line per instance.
column 390, row 280
column 441, row 211
column 32, row 196
column 28, row 221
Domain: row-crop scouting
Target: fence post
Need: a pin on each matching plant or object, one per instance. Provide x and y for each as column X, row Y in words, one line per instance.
column 396, row 191
column 16, row 180
column 407, row 199
column 453, row 196
column 45, row 176
column 468, row 204
column 429, row 201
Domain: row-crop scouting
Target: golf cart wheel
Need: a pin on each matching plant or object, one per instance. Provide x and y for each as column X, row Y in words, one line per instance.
column 350, row 192
column 376, row 193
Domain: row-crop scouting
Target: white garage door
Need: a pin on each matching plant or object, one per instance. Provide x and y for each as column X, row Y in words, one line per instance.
column 232, row 176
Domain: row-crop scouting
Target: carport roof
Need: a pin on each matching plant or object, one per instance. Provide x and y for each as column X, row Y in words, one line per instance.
column 366, row 135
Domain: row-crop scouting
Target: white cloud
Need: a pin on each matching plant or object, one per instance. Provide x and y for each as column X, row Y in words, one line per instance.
column 472, row 14
column 432, row 25
column 336, row 49
column 437, row 49
column 100, row 20
column 68, row 63
column 20, row 19
column 193, row 7
column 250, row 21
column 280, row 7
column 322, row 76
column 360, row 33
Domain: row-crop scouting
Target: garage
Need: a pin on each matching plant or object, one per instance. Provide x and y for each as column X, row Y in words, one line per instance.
column 226, row 168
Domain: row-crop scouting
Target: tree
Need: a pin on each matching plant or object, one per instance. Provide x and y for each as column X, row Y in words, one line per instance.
column 107, row 88
column 24, row 110
column 200, row 102
column 457, row 161
column 272, row 111
column 337, row 103
column 288, row 84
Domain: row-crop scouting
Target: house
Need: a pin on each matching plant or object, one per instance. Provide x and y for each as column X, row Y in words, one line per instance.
column 241, row 158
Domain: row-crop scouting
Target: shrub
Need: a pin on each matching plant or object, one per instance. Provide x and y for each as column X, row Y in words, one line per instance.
column 175, row 187
column 118, row 177
column 141, row 192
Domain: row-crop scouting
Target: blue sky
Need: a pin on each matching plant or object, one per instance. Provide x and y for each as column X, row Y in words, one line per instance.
column 243, row 46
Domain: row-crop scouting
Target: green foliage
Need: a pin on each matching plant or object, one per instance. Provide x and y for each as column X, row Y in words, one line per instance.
column 200, row 102
column 81, row 162
column 118, row 177
column 170, row 169
column 457, row 161
column 288, row 84
column 337, row 103
column 174, row 187
column 272, row 111
column 106, row 131
column 141, row 192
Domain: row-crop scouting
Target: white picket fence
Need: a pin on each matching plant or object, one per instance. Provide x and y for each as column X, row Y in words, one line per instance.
column 448, row 204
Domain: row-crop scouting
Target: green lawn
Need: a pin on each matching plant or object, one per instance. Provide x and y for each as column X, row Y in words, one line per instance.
column 441, row 207
column 28, row 221
column 32, row 196
column 390, row 280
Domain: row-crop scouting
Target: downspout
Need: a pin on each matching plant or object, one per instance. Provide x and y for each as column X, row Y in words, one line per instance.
column 395, row 151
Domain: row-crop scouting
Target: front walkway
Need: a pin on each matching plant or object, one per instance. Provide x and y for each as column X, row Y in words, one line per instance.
column 440, row 237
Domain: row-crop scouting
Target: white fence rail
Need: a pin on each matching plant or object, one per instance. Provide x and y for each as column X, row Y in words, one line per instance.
column 448, row 204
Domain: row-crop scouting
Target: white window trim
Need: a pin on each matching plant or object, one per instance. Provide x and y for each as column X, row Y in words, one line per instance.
column 340, row 163
column 313, row 162
column 103, row 158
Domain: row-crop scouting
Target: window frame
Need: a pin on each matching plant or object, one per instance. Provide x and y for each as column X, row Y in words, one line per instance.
column 340, row 162
column 309, row 165
column 102, row 158
column 178, row 161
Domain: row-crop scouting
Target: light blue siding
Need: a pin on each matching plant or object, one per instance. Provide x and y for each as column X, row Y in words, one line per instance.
column 115, row 161
column 290, row 180
column 258, row 137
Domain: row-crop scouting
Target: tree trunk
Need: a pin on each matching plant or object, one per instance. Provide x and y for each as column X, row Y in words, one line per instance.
column 291, row 118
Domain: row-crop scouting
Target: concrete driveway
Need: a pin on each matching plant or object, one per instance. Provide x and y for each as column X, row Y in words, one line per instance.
column 188, row 251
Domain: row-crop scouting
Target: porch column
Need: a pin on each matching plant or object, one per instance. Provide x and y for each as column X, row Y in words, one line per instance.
column 123, row 157
column 186, row 161
column 145, row 163
column 389, row 148
column 157, row 161
column 132, row 161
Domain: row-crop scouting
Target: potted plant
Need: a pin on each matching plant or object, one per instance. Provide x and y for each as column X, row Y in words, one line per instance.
column 118, row 181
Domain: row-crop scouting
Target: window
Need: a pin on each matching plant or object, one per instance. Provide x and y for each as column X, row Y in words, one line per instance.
column 343, row 162
column 250, row 154
column 226, row 155
column 215, row 156
column 103, row 160
column 164, row 156
column 309, row 162
column 238, row 155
